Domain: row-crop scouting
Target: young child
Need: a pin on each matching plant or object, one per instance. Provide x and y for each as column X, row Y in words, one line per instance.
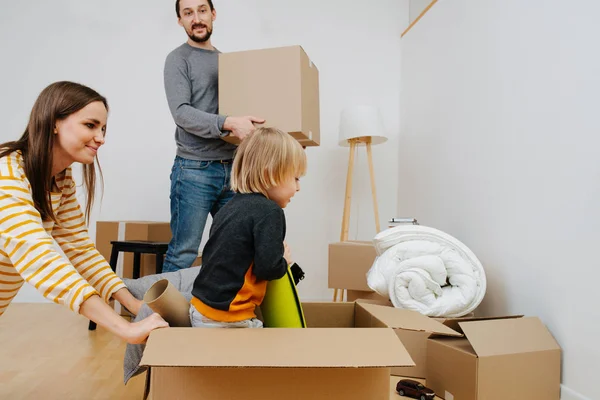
column 246, row 247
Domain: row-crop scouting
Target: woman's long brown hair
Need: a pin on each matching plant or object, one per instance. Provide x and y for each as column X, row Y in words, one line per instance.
column 56, row 102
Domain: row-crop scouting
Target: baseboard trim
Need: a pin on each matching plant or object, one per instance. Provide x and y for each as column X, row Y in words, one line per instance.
column 569, row 394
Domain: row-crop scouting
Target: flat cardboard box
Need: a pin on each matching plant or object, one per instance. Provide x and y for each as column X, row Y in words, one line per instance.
column 279, row 84
column 413, row 329
column 349, row 263
column 498, row 359
column 331, row 359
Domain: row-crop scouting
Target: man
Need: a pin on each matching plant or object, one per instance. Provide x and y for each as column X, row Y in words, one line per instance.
column 202, row 167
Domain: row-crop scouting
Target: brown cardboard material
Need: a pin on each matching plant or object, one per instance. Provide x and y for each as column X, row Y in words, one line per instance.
column 165, row 300
column 349, row 263
column 356, row 295
column 271, row 348
column 334, row 358
column 498, row 359
column 329, row 315
column 268, row 383
column 413, row 330
column 107, row 231
column 454, row 323
column 279, row 84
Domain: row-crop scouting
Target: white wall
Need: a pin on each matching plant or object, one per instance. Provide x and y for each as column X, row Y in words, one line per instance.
column 119, row 49
column 416, row 7
column 499, row 147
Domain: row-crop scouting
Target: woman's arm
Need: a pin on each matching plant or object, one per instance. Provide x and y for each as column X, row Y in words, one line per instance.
column 126, row 299
column 95, row 309
column 25, row 242
column 70, row 232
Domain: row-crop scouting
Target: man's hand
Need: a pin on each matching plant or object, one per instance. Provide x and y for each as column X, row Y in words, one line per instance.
column 241, row 127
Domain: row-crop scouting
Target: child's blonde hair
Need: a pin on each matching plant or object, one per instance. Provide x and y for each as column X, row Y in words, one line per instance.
column 266, row 158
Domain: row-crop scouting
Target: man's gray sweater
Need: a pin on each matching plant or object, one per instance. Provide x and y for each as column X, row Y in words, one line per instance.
column 192, row 88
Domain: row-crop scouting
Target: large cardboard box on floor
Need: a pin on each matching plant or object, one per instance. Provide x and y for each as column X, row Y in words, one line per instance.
column 349, row 263
column 413, row 329
column 280, row 85
column 331, row 359
column 498, row 359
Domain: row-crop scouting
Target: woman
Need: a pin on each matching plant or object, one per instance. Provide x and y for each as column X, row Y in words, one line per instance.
column 38, row 207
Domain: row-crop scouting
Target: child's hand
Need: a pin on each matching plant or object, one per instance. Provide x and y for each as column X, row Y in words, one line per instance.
column 287, row 253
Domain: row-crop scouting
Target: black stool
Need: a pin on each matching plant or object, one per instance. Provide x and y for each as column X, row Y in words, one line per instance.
column 137, row 247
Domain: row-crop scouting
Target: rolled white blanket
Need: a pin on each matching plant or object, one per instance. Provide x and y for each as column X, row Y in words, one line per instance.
column 426, row 270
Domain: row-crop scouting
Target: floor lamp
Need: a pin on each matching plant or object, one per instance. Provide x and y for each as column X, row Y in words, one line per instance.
column 359, row 125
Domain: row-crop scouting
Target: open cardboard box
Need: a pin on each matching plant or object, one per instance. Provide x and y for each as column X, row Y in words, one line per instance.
column 362, row 295
column 334, row 358
column 504, row 358
column 413, row 329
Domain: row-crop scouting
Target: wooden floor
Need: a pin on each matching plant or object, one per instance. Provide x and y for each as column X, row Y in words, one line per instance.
column 47, row 352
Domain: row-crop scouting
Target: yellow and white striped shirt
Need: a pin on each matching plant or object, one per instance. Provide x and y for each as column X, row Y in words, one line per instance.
column 27, row 251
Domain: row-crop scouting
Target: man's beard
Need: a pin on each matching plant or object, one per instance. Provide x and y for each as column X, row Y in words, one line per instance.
column 200, row 39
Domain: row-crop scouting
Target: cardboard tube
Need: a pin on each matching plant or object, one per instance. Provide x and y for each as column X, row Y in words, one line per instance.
column 165, row 300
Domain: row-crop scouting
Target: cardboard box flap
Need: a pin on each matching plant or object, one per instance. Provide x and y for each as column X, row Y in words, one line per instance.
column 453, row 323
column 275, row 347
column 508, row 336
column 398, row 318
column 328, row 315
column 367, row 243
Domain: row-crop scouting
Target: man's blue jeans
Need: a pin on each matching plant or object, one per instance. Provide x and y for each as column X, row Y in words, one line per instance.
column 197, row 188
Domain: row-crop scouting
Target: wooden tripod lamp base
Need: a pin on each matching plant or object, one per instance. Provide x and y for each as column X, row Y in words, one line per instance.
column 354, row 143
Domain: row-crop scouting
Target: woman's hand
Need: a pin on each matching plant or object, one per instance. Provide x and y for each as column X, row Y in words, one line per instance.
column 95, row 309
column 138, row 331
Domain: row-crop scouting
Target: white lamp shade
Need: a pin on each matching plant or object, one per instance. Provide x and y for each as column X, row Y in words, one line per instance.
column 359, row 121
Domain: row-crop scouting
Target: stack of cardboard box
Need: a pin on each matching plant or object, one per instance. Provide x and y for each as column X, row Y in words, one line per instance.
column 108, row 231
